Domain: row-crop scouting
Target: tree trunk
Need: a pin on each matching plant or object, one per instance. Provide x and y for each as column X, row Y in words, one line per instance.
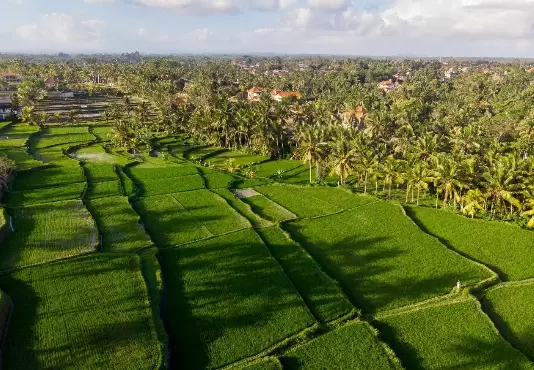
column 418, row 188
column 310, row 172
column 389, row 191
column 365, row 184
column 437, row 199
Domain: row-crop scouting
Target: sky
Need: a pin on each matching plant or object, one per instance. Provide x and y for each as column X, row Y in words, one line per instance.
column 460, row 28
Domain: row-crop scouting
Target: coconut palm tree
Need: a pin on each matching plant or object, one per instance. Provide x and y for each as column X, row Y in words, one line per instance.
column 311, row 149
column 500, row 181
column 343, row 159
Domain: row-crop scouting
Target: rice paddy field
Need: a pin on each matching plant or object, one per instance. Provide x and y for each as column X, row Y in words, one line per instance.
column 131, row 261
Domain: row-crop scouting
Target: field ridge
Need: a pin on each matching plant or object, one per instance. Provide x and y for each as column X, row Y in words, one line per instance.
column 483, row 285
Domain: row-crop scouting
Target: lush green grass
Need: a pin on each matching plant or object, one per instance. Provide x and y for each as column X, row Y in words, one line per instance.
column 118, row 224
column 201, row 152
column 338, row 197
column 271, row 168
column 511, row 306
column 500, row 246
column 47, row 177
column 450, row 335
column 143, row 173
column 48, row 232
column 239, row 158
column 216, row 180
column 322, row 295
column 352, row 347
column 242, row 208
column 153, row 276
column 168, row 222
column 45, row 195
column 212, row 211
column 128, row 186
column 23, row 160
column 382, row 259
column 86, row 313
column 100, row 172
column 102, row 132
column 55, row 156
column 227, row 299
column 62, row 135
column 265, row 363
column 268, row 209
column 16, row 135
column 171, row 185
column 104, row 189
column 4, row 124
column 300, row 202
column 245, row 183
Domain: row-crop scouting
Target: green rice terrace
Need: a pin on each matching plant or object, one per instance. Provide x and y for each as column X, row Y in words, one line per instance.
column 118, row 261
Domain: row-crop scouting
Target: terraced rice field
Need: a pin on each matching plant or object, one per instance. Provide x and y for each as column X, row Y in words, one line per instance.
column 382, row 259
column 451, row 335
column 90, row 312
column 238, row 305
column 514, row 320
column 154, row 262
column 48, row 232
column 354, row 346
column 505, row 248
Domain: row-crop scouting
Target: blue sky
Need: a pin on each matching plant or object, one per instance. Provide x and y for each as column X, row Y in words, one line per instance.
column 355, row 27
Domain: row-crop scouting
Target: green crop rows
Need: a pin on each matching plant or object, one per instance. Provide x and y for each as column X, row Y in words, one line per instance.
column 239, row 304
column 382, row 259
column 454, row 335
column 501, row 246
column 168, row 222
column 91, row 312
column 119, row 225
column 268, row 209
column 323, row 296
column 48, row 232
column 354, row 346
column 45, row 195
column 113, row 259
column 511, row 307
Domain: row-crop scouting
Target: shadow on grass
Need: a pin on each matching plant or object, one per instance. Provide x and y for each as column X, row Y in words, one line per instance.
column 20, row 337
column 359, row 265
column 411, row 214
column 524, row 342
column 226, row 301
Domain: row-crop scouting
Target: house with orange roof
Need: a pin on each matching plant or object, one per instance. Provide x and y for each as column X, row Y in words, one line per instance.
column 387, row 85
column 254, row 93
column 280, row 95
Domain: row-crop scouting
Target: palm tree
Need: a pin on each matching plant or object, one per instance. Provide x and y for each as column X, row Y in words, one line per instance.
column 446, row 173
column 310, row 149
column 500, row 181
column 343, row 159
column 388, row 170
column 474, row 201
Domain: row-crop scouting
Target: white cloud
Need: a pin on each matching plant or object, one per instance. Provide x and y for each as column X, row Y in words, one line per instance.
column 196, row 6
column 56, row 29
column 142, row 32
column 329, row 4
column 272, row 5
column 201, row 34
column 17, row 2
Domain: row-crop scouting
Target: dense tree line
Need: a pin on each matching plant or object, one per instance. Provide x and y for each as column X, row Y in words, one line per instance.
column 468, row 141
